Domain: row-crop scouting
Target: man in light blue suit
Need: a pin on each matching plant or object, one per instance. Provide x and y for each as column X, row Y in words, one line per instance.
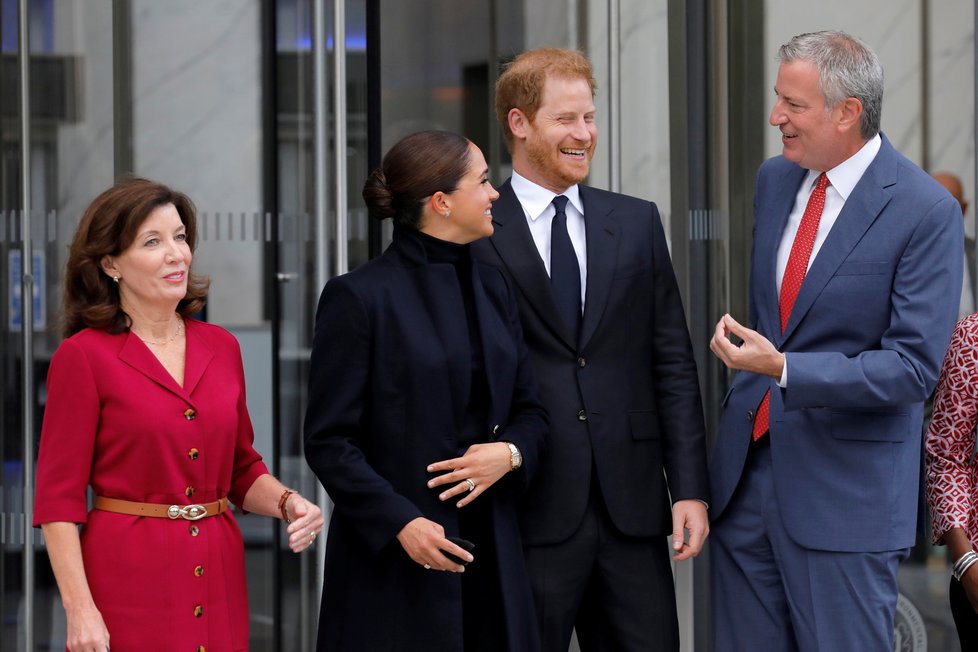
column 855, row 282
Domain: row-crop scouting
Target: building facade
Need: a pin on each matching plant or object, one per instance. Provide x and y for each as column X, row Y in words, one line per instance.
column 270, row 114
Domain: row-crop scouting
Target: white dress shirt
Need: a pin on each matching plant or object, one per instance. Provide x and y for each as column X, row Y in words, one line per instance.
column 537, row 203
column 842, row 179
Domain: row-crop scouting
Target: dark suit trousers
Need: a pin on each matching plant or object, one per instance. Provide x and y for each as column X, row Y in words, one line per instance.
column 771, row 594
column 616, row 590
column 965, row 618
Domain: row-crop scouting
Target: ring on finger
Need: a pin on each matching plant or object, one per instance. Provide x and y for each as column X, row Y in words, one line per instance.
column 471, row 484
column 427, row 566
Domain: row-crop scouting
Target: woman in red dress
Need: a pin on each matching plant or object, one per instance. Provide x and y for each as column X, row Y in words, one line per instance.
column 147, row 406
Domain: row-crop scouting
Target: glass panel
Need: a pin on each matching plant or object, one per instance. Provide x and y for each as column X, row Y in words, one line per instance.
column 296, row 274
column 436, row 83
column 296, row 239
column 71, row 153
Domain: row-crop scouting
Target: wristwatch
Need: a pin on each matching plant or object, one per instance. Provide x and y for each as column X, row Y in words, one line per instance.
column 515, row 456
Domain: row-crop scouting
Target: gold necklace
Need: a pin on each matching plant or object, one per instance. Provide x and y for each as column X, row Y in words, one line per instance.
column 164, row 342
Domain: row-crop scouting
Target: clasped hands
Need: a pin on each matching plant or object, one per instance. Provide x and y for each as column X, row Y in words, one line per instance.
column 755, row 353
column 468, row 476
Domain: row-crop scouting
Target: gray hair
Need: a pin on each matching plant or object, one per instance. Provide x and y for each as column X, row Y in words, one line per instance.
column 847, row 67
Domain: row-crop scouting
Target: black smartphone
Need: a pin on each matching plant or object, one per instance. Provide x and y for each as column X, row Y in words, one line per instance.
column 465, row 544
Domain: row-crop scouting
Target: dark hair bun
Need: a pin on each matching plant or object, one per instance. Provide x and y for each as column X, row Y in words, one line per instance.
column 380, row 201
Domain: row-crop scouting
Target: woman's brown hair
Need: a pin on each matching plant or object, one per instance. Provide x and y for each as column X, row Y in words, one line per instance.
column 416, row 167
column 108, row 227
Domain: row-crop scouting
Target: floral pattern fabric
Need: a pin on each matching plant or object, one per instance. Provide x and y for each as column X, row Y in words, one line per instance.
column 952, row 475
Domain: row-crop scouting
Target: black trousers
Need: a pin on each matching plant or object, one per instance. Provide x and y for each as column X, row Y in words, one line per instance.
column 616, row 590
column 965, row 618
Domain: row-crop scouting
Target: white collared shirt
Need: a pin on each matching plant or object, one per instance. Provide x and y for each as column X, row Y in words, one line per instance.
column 538, row 208
column 842, row 179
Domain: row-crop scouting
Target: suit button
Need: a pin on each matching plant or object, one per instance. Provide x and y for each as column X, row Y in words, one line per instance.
column 750, row 415
column 189, row 491
column 198, row 571
column 193, row 453
column 189, row 414
column 194, row 530
column 198, row 611
column 581, row 362
column 582, row 416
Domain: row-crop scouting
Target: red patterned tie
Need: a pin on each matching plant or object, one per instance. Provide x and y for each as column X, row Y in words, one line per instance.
column 794, row 274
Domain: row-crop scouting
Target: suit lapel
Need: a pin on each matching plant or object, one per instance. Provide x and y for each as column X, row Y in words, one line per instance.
column 514, row 244
column 498, row 361
column 602, row 249
column 771, row 226
column 865, row 203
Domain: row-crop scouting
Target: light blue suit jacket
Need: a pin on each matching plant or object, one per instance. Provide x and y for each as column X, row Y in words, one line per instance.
column 863, row 347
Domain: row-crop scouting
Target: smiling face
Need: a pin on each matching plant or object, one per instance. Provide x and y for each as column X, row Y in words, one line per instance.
column 153, row 269
column 469, row 206
column 814, row 136
column 554, row 150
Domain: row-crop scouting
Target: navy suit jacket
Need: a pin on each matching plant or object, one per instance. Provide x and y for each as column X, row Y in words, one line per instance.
column 863, row 348
column 624, row 398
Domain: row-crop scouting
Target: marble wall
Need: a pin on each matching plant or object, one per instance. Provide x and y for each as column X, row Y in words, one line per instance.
column 197, row 126
column 84, row 147
column 951, row 92
column 890, row 28
column 643, row 95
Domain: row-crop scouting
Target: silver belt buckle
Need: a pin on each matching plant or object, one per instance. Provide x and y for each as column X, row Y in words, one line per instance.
column 188, row 512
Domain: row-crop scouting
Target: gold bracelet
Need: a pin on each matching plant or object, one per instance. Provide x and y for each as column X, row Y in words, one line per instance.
column 281, row 505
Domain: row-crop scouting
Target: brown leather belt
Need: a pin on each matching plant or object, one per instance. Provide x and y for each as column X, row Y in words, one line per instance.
column 188, row 512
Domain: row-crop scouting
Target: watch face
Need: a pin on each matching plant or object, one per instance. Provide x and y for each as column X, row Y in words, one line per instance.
column 515, row 457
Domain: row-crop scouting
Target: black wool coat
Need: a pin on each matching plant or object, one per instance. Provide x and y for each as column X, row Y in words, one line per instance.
column 389, row 385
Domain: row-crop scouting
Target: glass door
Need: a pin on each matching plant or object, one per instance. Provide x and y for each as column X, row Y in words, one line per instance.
column 53, row 159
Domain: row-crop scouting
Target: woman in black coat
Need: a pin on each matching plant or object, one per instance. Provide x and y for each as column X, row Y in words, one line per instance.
column 423, row 421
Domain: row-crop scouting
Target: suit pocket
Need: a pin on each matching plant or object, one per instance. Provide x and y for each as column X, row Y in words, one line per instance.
column 870, row 426
column 863, row 268
column 644, row 424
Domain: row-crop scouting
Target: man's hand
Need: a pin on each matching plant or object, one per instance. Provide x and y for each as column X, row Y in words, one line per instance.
column 756, row 354
column 689, row 515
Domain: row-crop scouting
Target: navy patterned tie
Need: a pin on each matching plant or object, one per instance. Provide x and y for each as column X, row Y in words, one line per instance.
column 565, row 271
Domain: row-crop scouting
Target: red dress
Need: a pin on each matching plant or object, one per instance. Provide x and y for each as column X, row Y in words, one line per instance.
column 116, row 420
